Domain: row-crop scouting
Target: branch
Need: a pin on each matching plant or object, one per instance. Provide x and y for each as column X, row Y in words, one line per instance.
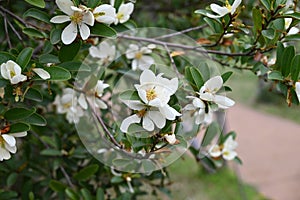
column 180, row 46
column 181, row 32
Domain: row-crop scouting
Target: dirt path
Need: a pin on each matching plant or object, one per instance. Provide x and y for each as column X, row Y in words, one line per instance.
column 269, row 147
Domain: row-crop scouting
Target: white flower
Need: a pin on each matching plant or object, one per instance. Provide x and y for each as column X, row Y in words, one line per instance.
column 42, row 73
column 287, row 23
column 80, row 17
column 210, row 88
column 221, row 11
column 68, row 103
column 171, row 139
column 139, row 56
column 297, row 85
column 198, row 106
column 105, row 13
column 155, row 93
column 12, row 72
column 104, row 51
column 8, row 144
column 124, row 13
column 227, row 150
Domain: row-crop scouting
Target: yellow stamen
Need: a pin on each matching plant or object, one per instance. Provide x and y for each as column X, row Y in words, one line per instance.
column 12, row 74
column 151, row 94
column 138, row 55
column 99, row 14
column 141, row 113
column 228, row 6
column 1, row 141
column 77, row 17
column 120, row 16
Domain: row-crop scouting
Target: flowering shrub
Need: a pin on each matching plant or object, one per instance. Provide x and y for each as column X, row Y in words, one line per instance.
column 80, row 83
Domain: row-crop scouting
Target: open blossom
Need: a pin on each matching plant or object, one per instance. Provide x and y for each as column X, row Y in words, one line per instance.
column 139, row 57
column 226, row 150
column 42, row 73
column 105, row 13
column 198, row 106
column 297, row 85
column 287, row 23
column 222, row 11
column 155, row 93
column 12, row 72
column 124, row 13
column 208, row 92
column 68, row 104
column 8, row 144
column 104, row 51
column 80, row 18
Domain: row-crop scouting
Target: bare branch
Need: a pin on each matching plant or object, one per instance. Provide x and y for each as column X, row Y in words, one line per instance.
column 181, row 32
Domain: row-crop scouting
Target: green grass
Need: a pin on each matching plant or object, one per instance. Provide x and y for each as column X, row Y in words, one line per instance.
column 245, row 91
column 191, row 182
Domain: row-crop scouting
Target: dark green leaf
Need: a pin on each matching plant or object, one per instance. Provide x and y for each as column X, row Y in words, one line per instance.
column 4, row 57
column 211, row 132
column 69, row 52
column 270, row 33
column 93, row 3
column 24, row 57
column 31, row 32
column 11, row 179
column 129, row 95
column 8, row 195
column 295, row 68
column 37, row 14
column 75, row 66
column 226, row 76
column 37, row 3
column 72, row 194
column 86, row 172
column 116, row 179
column 294, row 15
column 36, row 119
column 275, row 75
column 198, row 80
column 48, row 58
column 86, row 194
column 34, row 94
column 19, row 127
column 100, row 194
column 58, row 73
column 51, row 152
column 57, row 186
column 257, row 19
column 266, row 4
column 18, row 113
column 103, row 30
column 55, row 36
column 288, row 55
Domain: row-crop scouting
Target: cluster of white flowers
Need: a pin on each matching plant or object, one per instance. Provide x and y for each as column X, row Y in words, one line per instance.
column 13, row 72
column 82, row 17
column 226, row 150
column 71, row 105
column 153, row 109
column 104, row 51
column 139, row 56
column 8, row 144
column 208, row 94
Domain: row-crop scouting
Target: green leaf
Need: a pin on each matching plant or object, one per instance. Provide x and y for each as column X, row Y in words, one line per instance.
column 19, row 127
column 31, row 32
column 148, row 165
column 117, row 4
column 69, row 52
column 100, row 194
column 48, row 58
column 51, row 152
column 266, row 4
column 58, row 73
column 288, row 55
column 37, row 14
column 57, row 186
column 198, row 80
column 270, row 33
column 4, row 57
column 93, row 3
column 72, row 194
column 37, row 3
column 75, row 66
column 121, row 162
column 129, row 95
column 55, row 36
column 257, row 19
column 86, row 194
column 18, row 113
column 24, row 57
column 211, row 132
column 11, row 179
column 294, row 15
column 8, row 195
column 275, row 75
column 116, row 179
column 295, row 68
column 86, row 172
column 103, row 30
column 226, row 76
column 36, row 119
column 279, row 56
column 34, row 94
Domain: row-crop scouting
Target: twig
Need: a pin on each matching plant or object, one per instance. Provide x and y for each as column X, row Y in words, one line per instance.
column 180, row 46
column 6, row 32
column 13, row 15
column 172, row 61
column 181, row 32
column 15, row 31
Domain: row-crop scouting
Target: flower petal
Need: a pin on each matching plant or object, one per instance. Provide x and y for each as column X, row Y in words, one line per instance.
column 158, row 119
column 18, row 78
column 20, row 134
column 4, row 71
column 82, row 101
column 147, row 77
column 4, row 154
column 133, row 119
column 42, row 73
column 88, row 18
column 169, row 112
column 198, row 103
column 223, row 102
column 60, row 19
column 297, row 85
column 228, row 154
column 134, row 104
column 147, row 123
column 235, row 5
column 214, row 84
column 65, row 6
column 11, row 149
column 10, row 140
column 69, row 33
column 170, row 138
column 84, row 31
column 215, row 151
column 221, row 11
column 109, row 14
